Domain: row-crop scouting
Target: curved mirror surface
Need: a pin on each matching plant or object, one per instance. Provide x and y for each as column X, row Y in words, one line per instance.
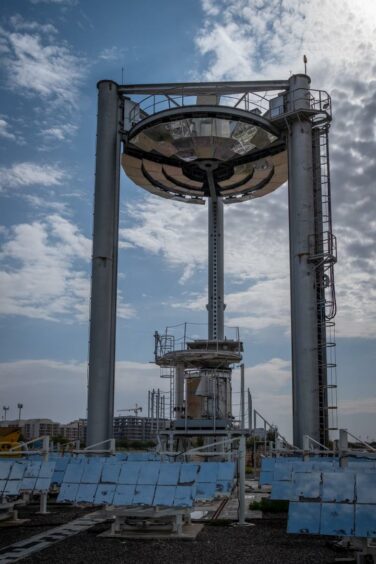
column 203, row 138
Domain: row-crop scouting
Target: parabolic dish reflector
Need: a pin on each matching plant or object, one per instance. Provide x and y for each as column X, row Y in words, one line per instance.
column 171, row 152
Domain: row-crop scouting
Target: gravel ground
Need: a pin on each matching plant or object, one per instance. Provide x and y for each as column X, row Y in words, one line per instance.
column 59, row 515
column 267, row 542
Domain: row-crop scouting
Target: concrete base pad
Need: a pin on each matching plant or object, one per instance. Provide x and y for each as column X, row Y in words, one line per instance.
column 13, row 522
column 253, row 514
column 189, row 532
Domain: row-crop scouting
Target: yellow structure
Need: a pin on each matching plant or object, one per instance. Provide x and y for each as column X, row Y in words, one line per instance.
column 9, row 438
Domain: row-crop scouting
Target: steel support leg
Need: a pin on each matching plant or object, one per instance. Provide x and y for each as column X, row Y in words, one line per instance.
column 306, row 416
column 43, row 503
column 104, row 266
column 242, row 453
column 216, row 270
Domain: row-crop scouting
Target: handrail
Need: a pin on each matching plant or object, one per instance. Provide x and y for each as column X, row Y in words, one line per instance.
column 360, row 441
column 155, row 103
column 310, row 439
column 89, row 448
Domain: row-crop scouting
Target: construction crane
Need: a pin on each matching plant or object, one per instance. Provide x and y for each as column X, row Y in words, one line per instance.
column 135, row 409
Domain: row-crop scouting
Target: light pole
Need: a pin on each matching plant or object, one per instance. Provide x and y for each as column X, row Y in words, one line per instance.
column 20, row 406
column 5, row 409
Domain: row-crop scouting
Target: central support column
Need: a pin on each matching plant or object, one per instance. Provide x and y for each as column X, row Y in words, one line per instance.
column 306, row 411
column 104, row 266
column 216, row 270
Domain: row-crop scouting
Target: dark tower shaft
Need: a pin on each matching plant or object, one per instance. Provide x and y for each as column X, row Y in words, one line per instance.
column 215, row 270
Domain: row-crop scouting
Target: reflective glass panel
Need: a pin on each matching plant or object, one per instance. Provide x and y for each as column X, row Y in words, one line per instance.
column 366, row 487
column 105, row 493
column 164, row 495
column 203, row 137
column 337, row 519
column 304, row 517
column 338, row 486
column 365, row 520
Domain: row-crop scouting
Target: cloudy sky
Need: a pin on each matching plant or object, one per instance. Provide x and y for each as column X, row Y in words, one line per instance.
column 52, row 54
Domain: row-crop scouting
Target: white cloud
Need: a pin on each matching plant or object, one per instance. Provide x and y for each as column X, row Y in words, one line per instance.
column 262, row 305
column 57, row 2
column 168, row 229
column 110, row 54
column 42, row 203
column 60, row 132
column 45, row 272
column 30, row 174
column 4, row 130
column 64, row 387
column 361, row 405
column 39, row 64
column 20, row 24
column 210, row 7
column 252, row 39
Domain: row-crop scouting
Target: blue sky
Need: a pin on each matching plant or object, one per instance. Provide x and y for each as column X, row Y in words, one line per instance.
column 52, row 54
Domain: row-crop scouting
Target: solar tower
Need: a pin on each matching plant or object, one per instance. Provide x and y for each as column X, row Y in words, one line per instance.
column 219, row 144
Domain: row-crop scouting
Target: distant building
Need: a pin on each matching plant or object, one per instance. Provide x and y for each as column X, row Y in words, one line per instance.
column 12, row 424
column 134, row 428
column 130, row 427
column 74, row 431
column 34, row 428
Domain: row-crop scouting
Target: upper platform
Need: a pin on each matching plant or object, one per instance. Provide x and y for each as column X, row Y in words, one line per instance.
column 199, row 142
column 183, row 344
column 193, row 140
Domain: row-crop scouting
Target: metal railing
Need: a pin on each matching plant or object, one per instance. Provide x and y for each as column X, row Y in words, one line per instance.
column 317, row 103
column 155, row 103
column 178, row 337
column 22, row 448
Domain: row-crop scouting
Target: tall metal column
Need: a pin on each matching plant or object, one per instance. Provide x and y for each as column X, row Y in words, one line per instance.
column 306, row 416
column 216, row 270
column 104, row 265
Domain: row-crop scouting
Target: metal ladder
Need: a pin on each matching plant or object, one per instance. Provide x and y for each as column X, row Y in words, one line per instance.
column 168, row 372
column 323, row 253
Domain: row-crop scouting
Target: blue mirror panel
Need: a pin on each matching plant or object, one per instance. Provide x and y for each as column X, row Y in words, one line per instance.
column 337, row 519
column 124, row 494
column 169, row 473
column 143, row 494
column 105, row 494
column 365, row 520
column 337, row 486
column 164, row 495
column 304, row 517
